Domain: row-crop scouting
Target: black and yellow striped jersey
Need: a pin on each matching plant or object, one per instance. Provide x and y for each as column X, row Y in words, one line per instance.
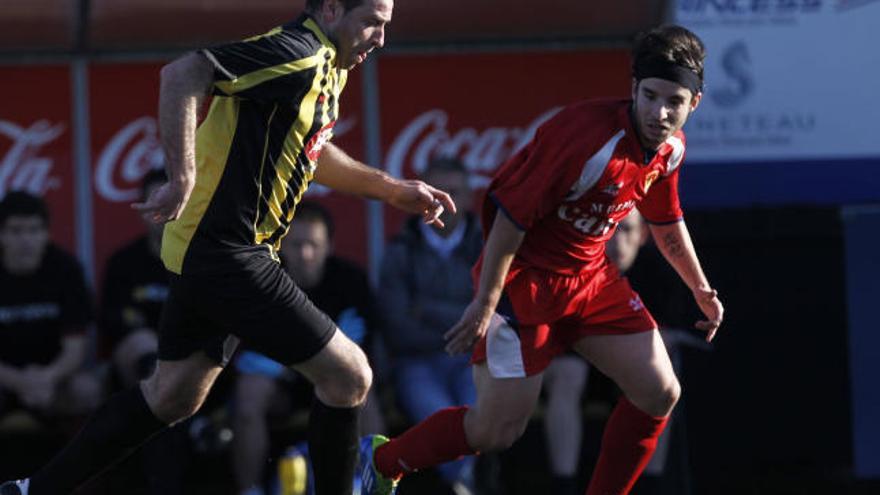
column 276, row 99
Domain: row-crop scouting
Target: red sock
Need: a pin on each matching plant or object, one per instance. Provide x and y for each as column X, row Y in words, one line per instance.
column 439, row 438
column 629, row 440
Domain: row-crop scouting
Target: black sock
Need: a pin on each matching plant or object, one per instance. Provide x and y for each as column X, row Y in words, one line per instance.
column 565, row 485
column 114, row 431
column 333, row 447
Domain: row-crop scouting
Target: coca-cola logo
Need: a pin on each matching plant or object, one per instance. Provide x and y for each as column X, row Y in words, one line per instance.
column 427, row 137
column 23, row 168
column 127, row 157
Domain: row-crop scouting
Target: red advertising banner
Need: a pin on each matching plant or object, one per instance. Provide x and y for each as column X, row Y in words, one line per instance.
column 35, row 142
column 125, row 146
column 481, row 108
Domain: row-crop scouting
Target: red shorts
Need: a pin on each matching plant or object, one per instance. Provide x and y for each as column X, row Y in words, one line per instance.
column 542, row 314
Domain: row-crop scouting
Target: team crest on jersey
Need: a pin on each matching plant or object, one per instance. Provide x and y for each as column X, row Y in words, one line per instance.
column 316, row 144
column 649, row 179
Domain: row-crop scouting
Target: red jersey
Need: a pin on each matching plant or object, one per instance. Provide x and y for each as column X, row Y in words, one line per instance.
column 583, row 172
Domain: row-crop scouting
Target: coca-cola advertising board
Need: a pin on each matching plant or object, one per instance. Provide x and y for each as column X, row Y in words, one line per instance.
column 482, row 108
column 125, row 146
column 35, row 142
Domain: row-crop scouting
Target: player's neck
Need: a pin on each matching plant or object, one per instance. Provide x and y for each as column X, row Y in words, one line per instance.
column 649, row 149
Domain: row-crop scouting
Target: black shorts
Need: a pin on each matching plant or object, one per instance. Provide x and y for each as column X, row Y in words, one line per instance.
column 253, row 299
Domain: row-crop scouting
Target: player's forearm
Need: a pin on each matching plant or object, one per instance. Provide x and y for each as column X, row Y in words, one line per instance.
column 340, row 172
column 674, row 241
column 501, row 247
column 184, row 85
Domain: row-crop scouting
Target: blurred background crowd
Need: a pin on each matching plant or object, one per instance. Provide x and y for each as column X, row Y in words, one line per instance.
column 780, row 189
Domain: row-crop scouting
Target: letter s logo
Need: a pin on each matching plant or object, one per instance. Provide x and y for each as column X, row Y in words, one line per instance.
column 736, row 63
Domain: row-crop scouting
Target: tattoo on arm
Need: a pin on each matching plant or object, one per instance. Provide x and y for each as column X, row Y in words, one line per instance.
column 673, row 245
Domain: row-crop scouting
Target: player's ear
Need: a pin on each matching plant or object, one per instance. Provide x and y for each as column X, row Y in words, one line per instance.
column 695, row 101
column 635, row 88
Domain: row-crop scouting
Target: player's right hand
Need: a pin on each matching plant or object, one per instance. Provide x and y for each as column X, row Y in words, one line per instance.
column 710, row 305
column 472, row 326
column 165, row 203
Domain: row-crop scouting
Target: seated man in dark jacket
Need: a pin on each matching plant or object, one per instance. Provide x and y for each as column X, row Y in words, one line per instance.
column 425, row 285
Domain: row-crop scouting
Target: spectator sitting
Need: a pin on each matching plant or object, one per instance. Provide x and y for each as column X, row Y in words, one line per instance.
column 135, row 287
column 425, row 285
column 335, row 286
column 45, row 312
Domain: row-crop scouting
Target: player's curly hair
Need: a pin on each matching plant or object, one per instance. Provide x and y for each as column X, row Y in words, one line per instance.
column 315, row 5
column 670, row 43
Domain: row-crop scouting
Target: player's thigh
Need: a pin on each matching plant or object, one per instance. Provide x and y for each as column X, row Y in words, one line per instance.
column 274, row 317
column 177, row 388
column 504, row 401
column 638, row 363
column 340, row 371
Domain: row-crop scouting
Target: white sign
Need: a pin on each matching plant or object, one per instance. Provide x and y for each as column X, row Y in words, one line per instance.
column 786, row 79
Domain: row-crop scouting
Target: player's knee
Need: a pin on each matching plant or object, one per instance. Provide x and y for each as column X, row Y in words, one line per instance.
column 497, row 436
column 171, row 401
column 346, row 389
column 664, row 399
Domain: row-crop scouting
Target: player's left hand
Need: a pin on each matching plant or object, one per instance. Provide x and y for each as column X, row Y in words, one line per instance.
column 165, row 203
column 415, row 196
column 710, row 305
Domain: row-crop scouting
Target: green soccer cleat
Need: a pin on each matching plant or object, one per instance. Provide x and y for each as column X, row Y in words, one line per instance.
column 372, row 481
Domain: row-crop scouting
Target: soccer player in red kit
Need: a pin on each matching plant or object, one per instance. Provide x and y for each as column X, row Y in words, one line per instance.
column 546, row 286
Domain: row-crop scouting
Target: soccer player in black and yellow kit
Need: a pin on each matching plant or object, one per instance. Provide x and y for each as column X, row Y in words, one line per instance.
column 233, row 189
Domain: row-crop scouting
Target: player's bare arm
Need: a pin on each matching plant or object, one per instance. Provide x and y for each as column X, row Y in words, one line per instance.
column 674, row 241
column 338, row 171
column 184, row 85
column 501, row 247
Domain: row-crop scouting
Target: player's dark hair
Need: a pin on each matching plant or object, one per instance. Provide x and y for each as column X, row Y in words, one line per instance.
column 315, row 5
column 668, row 44
column 23, row 204
column 445, row 164
column 154, row 177
column 309, row 211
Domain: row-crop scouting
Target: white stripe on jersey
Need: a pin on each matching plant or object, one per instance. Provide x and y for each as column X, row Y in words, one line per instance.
column 594, row 168
column 677, row 154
